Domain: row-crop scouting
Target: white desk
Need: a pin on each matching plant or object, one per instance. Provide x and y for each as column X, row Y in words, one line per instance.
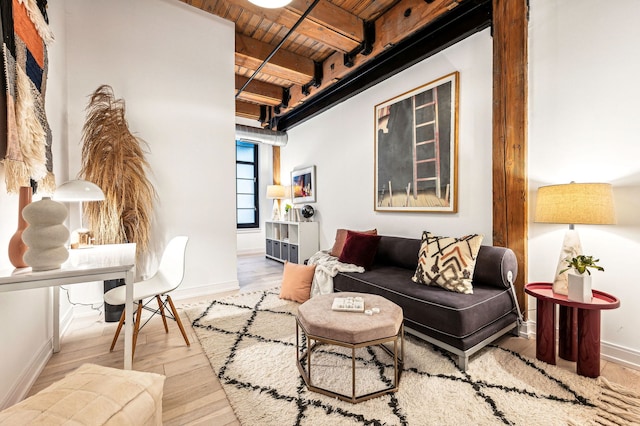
column 99, row 263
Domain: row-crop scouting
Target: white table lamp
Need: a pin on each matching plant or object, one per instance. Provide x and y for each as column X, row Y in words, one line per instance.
column 573, row 203
column 79, row 190
column 276, row 193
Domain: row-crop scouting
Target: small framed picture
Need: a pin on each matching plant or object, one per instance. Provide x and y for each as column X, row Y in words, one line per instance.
column 303, row 185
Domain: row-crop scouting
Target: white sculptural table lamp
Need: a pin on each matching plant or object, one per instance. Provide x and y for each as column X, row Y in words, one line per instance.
column 79, row 190
column 276, row 193
column 573, row 203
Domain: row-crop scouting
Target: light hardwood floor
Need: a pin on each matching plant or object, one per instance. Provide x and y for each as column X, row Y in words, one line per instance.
column 192, row 392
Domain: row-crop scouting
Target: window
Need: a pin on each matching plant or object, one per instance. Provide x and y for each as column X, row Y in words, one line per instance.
column 247, row 206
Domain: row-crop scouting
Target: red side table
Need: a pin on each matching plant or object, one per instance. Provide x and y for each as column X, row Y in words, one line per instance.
column 579, row 323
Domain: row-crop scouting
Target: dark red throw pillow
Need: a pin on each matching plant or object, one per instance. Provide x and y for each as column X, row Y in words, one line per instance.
column 341, row 237
column 360, row 249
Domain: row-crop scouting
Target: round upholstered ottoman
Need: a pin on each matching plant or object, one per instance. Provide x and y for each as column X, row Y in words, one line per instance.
column 317, row 323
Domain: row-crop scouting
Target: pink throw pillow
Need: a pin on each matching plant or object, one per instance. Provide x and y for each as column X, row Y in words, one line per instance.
column 296, row 282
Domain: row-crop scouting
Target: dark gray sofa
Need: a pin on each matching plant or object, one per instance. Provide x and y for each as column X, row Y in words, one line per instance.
column 459, row 323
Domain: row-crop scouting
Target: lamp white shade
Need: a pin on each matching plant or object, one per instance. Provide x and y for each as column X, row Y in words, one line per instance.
column 576, row 203
column 573, row 203
column 78, row 190
column 270, row 4
column 275, row 192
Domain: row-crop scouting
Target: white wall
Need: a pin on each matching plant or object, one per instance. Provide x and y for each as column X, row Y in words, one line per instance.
column 583, row 127
column 340, row 142
column 26, row 315
column 178, row 88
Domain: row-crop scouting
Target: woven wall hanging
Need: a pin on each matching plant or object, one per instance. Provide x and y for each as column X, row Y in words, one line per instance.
column 26, row 137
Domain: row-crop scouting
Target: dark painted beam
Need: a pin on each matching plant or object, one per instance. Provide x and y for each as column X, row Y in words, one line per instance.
column 464, row 20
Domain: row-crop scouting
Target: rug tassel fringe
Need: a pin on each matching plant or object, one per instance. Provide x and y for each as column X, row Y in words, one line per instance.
column 617, row 404
column 599, row 421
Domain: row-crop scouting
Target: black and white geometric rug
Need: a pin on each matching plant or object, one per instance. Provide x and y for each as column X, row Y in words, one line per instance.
column 250, row 342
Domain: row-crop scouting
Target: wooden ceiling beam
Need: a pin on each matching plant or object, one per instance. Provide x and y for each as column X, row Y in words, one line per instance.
column 467, row 19
column 197, row 3
column 390, row 28
column 250, row 53
column 247, row 110
column 395, row 25
column 259, row 92
column 330, row 17
column 327, row 24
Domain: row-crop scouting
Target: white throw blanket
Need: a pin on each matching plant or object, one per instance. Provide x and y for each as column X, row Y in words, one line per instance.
column 327, row 267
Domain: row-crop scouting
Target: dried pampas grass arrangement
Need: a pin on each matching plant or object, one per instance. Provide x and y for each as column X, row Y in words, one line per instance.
column 114, row 159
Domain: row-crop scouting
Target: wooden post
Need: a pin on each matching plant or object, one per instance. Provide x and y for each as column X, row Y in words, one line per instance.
column 276, row 170
column 510, row 205
column 276, row 165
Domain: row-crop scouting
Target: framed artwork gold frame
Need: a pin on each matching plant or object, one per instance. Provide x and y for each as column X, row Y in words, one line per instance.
column 416, row 149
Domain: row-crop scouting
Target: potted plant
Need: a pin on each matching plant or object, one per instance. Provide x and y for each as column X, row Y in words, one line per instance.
column 579, row 282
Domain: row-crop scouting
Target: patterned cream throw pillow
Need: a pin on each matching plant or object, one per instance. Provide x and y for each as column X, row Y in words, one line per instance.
column 448, row 262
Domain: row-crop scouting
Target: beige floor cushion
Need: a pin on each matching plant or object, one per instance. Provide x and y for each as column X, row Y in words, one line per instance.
column 93, row 395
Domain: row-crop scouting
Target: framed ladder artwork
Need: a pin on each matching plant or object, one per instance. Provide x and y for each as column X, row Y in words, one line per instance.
column 416, row 142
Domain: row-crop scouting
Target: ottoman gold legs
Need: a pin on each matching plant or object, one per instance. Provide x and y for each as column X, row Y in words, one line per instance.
column 305, row 349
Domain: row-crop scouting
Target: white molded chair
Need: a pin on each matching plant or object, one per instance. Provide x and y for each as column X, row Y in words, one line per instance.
column 168, row 277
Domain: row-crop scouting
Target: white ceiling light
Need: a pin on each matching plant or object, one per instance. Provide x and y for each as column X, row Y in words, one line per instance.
column 270, row 4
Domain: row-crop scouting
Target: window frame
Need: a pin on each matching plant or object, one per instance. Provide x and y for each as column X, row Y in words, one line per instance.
column 256, row 185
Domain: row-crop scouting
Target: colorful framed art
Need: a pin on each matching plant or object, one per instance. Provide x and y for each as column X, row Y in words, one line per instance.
column 303, row 185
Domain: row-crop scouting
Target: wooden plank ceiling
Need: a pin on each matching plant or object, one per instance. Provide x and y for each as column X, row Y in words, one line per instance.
column 331, row 43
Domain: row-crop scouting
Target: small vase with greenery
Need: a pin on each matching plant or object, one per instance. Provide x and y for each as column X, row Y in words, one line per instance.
column 579, row 282
column 582, row 263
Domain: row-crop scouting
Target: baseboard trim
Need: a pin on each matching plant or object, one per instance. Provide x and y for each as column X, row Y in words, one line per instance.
column 65, row 320
column 620, row 355
column 251, row 252
column 608, row 351
column 525, row 329
column 21, row 387
column 205, row 290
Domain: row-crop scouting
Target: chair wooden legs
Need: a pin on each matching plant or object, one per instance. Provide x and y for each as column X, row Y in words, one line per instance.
column 138, row 316
column 161, row 308
column 115, row 337
column 175, row 315
column 137, row 328
column 135, row 331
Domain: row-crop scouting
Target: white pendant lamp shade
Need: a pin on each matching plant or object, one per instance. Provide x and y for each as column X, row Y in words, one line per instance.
column 270, row 4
